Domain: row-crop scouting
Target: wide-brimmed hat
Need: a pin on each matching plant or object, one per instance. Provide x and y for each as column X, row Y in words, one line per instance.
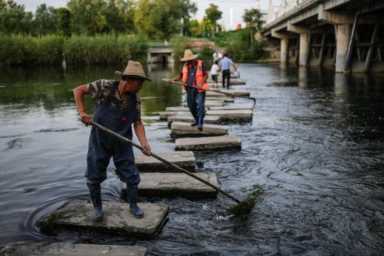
column 134, row 69
column 188, row 55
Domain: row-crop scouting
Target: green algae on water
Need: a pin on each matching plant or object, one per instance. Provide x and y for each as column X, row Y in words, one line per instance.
column 246, row 206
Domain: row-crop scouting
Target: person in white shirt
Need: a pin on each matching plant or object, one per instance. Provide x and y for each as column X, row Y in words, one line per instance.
column 215, row 71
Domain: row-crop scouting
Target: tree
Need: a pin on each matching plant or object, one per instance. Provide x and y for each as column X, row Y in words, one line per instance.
column 213, row 14
column 160, row 19
column 119, row 15
column 14, row 18
column 45, row 20
column 88, row 16
column 63, row 21
column 253, row 20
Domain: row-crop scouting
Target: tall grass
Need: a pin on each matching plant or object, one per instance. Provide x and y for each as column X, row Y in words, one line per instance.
column 76, row 50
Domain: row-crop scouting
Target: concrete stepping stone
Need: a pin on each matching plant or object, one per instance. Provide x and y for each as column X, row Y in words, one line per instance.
column 77, row 215
column 185, row 159
column 177, row 109
column 150, row 118
column 232, row 115
column 69, row 249
column 182, row 129
column 177, row 184
column 232, row 108
column 208, row 143
column 236, row 93
column 164, row 115
column 211, row 103
column 236, row 81
column 189, row 119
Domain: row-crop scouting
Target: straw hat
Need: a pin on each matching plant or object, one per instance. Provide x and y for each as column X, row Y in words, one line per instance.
column 188, row 55
column 134, row 69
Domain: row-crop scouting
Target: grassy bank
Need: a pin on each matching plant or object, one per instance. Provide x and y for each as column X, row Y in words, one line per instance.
column 77, row 50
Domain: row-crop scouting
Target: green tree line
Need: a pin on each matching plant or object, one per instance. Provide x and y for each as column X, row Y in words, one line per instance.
column 157, row 19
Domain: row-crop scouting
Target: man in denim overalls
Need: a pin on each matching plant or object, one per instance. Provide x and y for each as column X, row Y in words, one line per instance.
column 117, row 107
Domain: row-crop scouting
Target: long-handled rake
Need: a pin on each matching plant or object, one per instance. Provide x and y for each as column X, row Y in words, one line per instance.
column 241, row 207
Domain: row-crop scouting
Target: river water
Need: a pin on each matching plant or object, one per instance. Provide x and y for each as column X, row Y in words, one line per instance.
column 315, row 146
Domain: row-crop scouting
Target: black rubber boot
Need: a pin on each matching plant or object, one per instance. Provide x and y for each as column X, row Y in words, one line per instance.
column 132, row 194
column 95, row 194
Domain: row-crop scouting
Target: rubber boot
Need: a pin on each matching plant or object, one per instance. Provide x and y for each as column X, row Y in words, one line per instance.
column 95, row 194
column 132, row 194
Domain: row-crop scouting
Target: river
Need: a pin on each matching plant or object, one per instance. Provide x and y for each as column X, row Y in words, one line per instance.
column 315, row 146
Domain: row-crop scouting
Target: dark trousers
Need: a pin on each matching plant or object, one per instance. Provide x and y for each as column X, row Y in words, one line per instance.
column 214, row 78
column 196, row 105
column 226, row 78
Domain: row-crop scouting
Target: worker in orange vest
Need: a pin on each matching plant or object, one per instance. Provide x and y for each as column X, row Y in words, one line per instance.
column 194, row 79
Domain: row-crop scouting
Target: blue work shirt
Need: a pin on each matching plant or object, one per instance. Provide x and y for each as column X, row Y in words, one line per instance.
column 225, row 63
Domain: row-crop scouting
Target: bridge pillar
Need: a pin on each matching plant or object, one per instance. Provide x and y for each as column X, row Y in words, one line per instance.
column 284, row 44
column 305, row 43
column 343, row 34
column 343, row 30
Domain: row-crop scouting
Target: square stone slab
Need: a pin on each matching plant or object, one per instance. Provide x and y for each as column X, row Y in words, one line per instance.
column 76, row 215
column 69, row 249
column 236, row 93
column 184, row 159
column 190, row 119
column 181, row 129
column 210, row 103
column 208, row 143
column 177, row 185
column 225, row 108
column 232, row 115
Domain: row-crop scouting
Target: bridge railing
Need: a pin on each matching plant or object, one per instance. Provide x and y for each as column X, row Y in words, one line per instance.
column 286, row 6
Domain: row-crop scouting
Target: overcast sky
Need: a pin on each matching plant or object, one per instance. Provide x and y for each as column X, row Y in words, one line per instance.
column 237, row 7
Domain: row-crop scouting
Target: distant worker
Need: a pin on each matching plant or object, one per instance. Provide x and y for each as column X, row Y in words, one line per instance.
column 215, row 72
column 194, row 79
column 225, row 66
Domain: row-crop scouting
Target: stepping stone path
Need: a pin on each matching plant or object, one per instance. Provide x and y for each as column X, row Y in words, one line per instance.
column 208, row 143
column 177, row 184
column 69, row 249
column 77, row 214
column 184, row 159
column 179, row 129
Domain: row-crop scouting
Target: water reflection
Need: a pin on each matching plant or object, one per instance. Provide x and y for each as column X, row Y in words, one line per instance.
column 51, row 88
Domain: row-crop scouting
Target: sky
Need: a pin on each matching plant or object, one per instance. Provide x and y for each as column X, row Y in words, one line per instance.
column 236, row 7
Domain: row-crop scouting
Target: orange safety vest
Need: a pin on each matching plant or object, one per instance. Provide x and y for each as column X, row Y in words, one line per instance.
column 201, row 85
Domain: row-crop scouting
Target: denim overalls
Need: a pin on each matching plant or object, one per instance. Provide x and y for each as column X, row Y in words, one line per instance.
column 195, row 100
column 103, row 146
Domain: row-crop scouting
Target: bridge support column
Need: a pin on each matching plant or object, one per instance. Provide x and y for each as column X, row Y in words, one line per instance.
column 343, row 34
column 305, row 43
column 343, row 29
column 284, row 44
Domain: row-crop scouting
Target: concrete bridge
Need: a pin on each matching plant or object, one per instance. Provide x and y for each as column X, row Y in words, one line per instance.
column 347, row 35
column 161, row 54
